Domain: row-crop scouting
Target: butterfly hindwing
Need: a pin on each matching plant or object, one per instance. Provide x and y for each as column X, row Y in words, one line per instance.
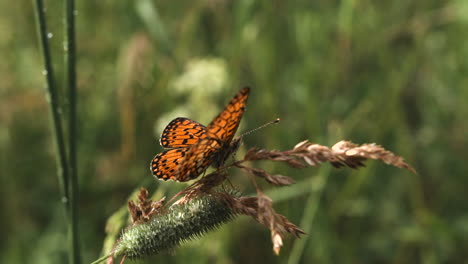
column 166, row 164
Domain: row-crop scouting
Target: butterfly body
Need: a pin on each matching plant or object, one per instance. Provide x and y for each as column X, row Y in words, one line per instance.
column 192, row 147
column 227, row 149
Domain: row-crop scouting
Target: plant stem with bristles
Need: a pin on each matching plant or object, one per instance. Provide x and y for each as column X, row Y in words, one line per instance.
column 182, row 222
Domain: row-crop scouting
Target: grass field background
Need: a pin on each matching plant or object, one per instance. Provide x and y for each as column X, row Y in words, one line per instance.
column 390, row 72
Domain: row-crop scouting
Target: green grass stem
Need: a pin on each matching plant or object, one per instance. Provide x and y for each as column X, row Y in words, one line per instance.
column 311, row 208
column 52, row 98
column 70, row 78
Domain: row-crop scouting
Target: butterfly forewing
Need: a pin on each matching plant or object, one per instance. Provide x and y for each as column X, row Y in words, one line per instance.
column 182, row 132
column 225, row 125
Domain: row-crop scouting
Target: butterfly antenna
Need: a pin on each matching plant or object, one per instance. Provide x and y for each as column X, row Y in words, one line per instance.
column 260, row 127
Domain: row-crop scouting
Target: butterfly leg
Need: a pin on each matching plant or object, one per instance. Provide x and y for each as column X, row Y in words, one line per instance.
column 222, row 173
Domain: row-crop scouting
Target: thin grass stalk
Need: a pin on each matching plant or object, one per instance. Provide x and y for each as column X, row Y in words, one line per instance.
column 310, row 211
column 52, row 98
column 70, row 63
column 102, row 259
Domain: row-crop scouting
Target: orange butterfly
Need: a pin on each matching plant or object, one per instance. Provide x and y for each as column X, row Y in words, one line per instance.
column 192, row 147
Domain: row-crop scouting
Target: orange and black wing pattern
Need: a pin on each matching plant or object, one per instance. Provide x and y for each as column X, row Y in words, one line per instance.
column 166, row 164
column 184, row 164
column 225, row 125
column 182, row 132
column 194, row 147
column 179, row 135
column 197, row 159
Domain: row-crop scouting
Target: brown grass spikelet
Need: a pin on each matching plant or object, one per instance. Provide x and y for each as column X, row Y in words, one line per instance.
column 145, row 208
column 261, row 209
column 278, row 180
column 262, row 154
column 343, row 153
column 203, row 186
column 370, row 151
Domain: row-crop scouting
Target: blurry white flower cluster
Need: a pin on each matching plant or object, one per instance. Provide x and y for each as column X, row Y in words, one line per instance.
column 201, row 82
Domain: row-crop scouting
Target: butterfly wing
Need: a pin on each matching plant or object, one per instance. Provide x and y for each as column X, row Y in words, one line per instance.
column 194, row 146
column 197, row 159
column 225, row 125
column 182, row 132
column 165, row 165
column 184, row 164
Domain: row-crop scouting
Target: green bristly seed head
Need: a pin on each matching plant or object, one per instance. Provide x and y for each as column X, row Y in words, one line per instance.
column 180, row 223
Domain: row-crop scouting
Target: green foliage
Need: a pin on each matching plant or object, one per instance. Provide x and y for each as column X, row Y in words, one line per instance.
column 390, row 72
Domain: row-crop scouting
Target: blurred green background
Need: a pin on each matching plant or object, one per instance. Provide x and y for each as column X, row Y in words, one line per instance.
column 390, row 72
